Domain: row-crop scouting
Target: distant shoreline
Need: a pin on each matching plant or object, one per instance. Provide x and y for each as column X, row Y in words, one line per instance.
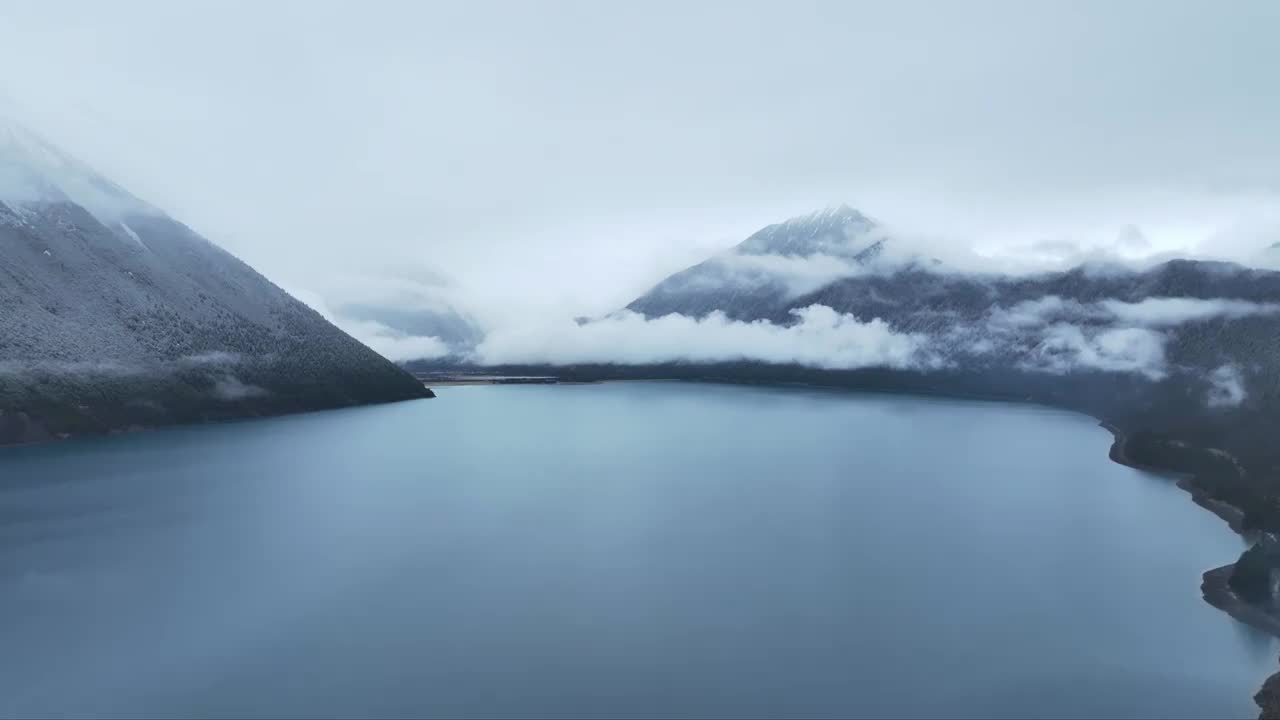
column 450, row 380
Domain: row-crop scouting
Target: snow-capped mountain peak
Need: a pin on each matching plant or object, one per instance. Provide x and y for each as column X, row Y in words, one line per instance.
column 839, row 231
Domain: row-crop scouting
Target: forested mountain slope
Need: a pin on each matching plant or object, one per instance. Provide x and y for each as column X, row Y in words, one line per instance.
column 114, row 315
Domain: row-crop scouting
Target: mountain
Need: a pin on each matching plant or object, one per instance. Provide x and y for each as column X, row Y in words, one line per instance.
column 114, row 315
column 1186, row 316
column 1183, row 357
column 760, row 274
column 1181, row 360
column 405, row 314
column 447, row 324
column 395, row 309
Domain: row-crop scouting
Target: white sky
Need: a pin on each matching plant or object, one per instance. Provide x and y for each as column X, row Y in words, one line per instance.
column 560, row 157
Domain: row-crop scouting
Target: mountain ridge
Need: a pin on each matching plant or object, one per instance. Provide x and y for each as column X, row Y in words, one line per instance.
column 113, row 315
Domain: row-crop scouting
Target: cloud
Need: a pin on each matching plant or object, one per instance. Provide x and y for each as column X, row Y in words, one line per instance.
column 821, row 338
column 797, row 274
column 1131, row 238
column 1155, row 312
column 494, row 152
column 230, row 388
column 217, row 357
column 1065, row 348
column 1048, row 334
column 1035, row 313
column 1111, row 335
column 406, row 288
column 1057, row 335
column 1226, row 387
column 34, row 171
column 1171, row 311
column 395, row 345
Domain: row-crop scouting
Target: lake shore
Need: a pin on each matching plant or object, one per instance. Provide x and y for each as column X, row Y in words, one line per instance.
column 1215, row 584
column 449, row 380
column 1230, row 514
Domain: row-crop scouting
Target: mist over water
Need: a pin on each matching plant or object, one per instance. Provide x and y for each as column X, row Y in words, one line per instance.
column 631, row 549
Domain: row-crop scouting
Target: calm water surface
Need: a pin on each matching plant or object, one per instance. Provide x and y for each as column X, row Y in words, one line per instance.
column 631, row 549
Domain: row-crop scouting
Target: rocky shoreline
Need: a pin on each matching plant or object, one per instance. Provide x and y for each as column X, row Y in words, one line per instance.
column 1217, row 591
column 1230, row 514
column 1215, row 584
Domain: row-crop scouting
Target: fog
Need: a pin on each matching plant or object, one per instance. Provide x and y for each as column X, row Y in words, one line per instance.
column 517, row 146
column 820, row 338
column 220, row 366
column 1154, row 312
column 1050, row 335
column 1227, row 387
column 539, row 161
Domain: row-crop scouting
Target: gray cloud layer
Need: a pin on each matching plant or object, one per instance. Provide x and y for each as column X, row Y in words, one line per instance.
column 1049, row 335
column 1167, row 312
column 1110, row 335
column 560, row 156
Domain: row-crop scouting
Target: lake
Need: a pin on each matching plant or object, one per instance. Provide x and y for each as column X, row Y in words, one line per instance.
column 626, row 549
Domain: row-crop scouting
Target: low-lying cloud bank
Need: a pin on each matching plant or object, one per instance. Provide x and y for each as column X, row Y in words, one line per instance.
column 1169, row 312
column 1064, row 348
column 1048, row 335
column 1109, row 335
column 221, row 365
column 821, row 338
column 1156, row 312
column 392, row 344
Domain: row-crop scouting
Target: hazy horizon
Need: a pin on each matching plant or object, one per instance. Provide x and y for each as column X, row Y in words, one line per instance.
column 556, row 161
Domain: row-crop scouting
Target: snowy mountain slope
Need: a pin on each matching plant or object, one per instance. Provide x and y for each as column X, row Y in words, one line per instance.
column 1215, row 314
column 773, row 266
column 1186, row 352
column 113, row 315
column 33, row 170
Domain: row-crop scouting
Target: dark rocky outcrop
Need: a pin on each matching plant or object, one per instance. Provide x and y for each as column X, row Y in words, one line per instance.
column 1255, row 577
column 1268, row 698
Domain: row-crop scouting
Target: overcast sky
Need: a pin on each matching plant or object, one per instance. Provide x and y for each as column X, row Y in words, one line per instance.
column 561, row 157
